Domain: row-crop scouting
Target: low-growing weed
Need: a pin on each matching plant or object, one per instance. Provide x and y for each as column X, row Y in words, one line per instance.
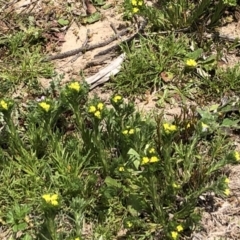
column 22, row 60
column 180, row 14
column 108, row 168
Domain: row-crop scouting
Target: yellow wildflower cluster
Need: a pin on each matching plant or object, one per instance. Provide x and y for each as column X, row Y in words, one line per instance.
column 74, row 86
column 191, row 63
column 236, row 156
column 3, row 105
column 177, row 186
column 51, row 199
column 96, row 110
column 128, row 131
column 204, row 127
column 129, row 224
column 174, row 234
column 6, row 105
column 135, row 5
column 179, row 228
column 146, row 160
column 117, row 99
column 169, row 128
column 135, row 10
column 151, row 150
column 227, row 190
column 121, row 169
column 226, row 180
column 45, row 106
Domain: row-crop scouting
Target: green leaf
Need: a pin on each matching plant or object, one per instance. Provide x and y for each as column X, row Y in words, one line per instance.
column 20, row 227
column 132, row 211
column 230, row 123
column 205, row 114
column 196, row 54
column 211, row 59
column 136, row 204
column 134, row 157
column 112, row 182
column 63, row 22
column 93, row 18
column 214, row 107
column 107, row 6
column 27, row 237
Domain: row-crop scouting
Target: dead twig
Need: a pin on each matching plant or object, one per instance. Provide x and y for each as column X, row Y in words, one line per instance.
column 86, row 48
column 83, row 45
column 117, row 46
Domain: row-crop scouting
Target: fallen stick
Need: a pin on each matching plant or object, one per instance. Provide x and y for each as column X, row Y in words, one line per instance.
column 103, row 75
column 86, row 48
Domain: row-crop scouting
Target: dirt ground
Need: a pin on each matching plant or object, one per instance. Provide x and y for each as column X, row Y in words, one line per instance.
column 222, row 219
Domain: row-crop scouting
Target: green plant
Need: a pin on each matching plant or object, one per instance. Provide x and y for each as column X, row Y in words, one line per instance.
column 76, row 167
column 17, row 218
column 23, row 60
column 180, row 14
column 117, row 166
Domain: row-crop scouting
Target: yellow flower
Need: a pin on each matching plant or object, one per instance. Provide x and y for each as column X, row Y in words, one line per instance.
column 145, row 160
column 227, row 191
column 4, row 105
column 117, row 98
column 121, row 169
column 75, row 86
column 204, row 127
column 51, row 199
column 125, row 132
column 97, row 114
column 179, row 228
column 153, row 159
column 176, row 185
column 129, row 224
column 92, row 109
column 45, row 106
column 227, row 180
column 168, row 128
column 54, row 202
column 100, row 106
column 134, row 2
column 46, row 197
column 191, row 63
column 188, row 125
column 77, row 238
column 26, row 219
column 236, row 155
column 128, row 131
column 174, row 235
column 135, row 10
column 54, row 197
column 151, row 150
column 131, row 131
column 137, row 3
